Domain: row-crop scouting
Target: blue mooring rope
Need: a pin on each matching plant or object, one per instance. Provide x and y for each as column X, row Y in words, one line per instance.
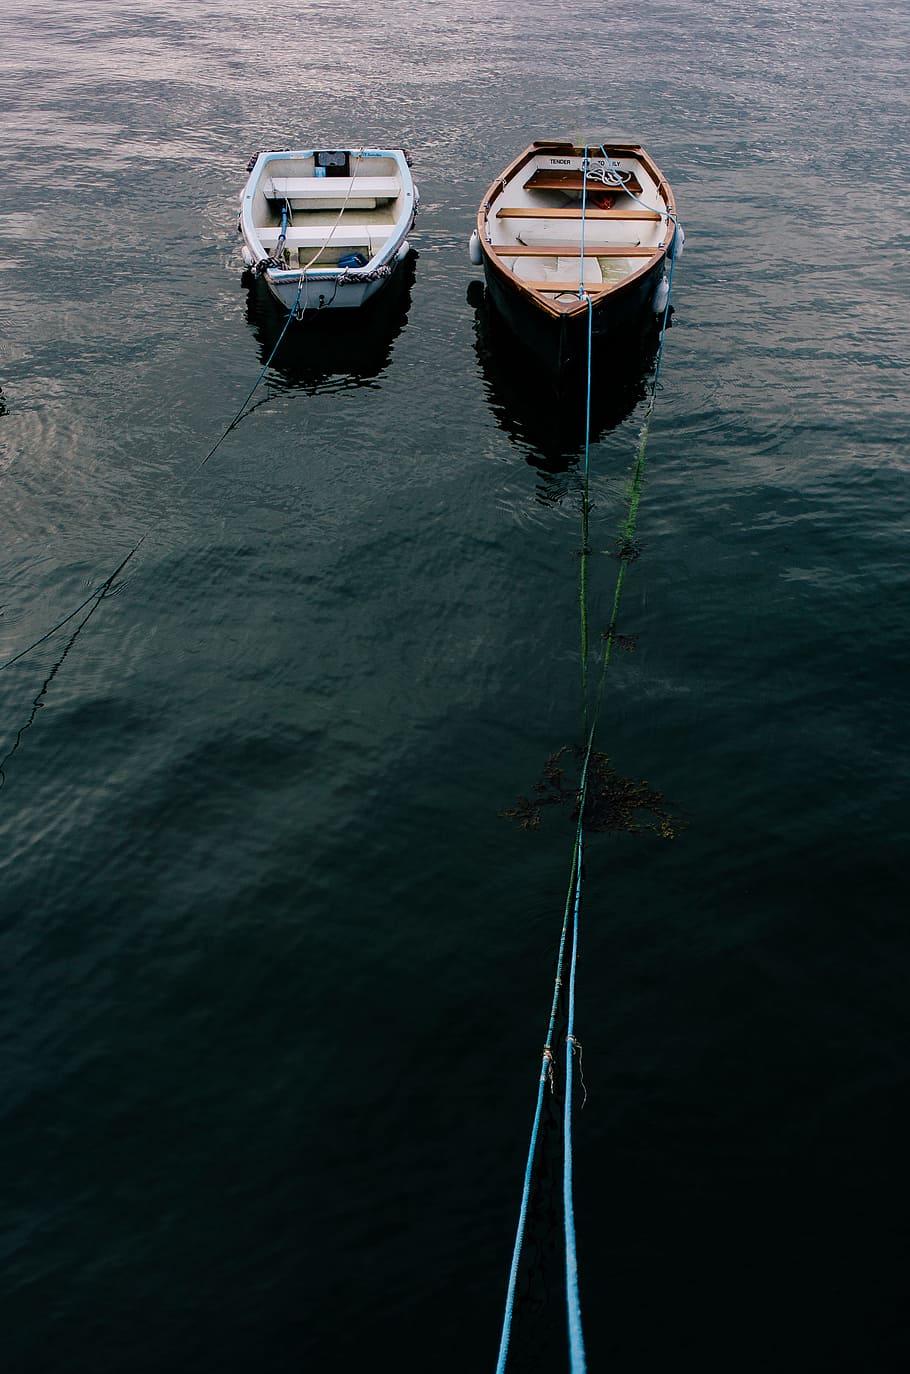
column 577, row 1357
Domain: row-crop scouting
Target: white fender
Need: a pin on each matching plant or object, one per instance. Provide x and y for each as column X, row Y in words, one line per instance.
column 474, row 252
column 661, row 296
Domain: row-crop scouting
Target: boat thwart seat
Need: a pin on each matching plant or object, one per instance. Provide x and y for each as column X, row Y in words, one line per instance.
column 572, row 212
column 573, row 179
column 327, row 192
column 566, row 250
column 347, row 235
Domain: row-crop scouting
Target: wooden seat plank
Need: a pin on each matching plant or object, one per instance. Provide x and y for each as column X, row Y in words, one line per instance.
column 550, row 179
column 573, row 250
column 572, row 212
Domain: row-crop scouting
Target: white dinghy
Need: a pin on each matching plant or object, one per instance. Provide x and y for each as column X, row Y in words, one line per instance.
column 327, row 227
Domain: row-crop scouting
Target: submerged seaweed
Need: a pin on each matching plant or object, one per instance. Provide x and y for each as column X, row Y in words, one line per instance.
column 612, row 802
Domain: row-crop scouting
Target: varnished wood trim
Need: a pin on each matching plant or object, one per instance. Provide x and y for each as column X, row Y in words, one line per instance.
column 572, row 212
column 559, row 287
column 574, row 250
column 547, row 179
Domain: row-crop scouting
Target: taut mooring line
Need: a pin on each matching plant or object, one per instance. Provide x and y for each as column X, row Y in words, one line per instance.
column 96, row 600
column 577, row 1356
column 98, row 595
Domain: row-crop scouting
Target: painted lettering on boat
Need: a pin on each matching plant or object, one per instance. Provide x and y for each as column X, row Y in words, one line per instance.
column 576, row 162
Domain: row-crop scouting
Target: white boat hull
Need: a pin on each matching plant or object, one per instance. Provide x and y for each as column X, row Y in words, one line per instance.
column 303, row 291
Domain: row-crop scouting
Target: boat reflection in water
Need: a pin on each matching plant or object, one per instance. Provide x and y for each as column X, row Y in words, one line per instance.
column 332, row 349
column 542, row 410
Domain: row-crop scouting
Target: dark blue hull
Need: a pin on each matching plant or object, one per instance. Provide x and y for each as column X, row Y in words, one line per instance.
column 561, row 341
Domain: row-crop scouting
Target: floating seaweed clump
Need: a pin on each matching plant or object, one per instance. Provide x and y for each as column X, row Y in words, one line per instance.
column 628, row 548
column 612, row 802
column 628, row 643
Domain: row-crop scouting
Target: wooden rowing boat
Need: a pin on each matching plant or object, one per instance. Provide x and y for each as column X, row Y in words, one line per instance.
column 569, row 229
column 327, row 228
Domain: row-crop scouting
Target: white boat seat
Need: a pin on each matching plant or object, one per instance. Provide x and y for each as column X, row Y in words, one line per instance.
column 333, row 189
column 313, row 236
column 596, row 236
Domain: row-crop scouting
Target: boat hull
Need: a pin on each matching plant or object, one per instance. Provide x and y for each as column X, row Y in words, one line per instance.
column 549, row 413
column 562, row 341
column 353, row 345
column 304, row 293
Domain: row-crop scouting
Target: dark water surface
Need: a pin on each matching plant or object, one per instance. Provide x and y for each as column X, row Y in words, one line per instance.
column 276, row 972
